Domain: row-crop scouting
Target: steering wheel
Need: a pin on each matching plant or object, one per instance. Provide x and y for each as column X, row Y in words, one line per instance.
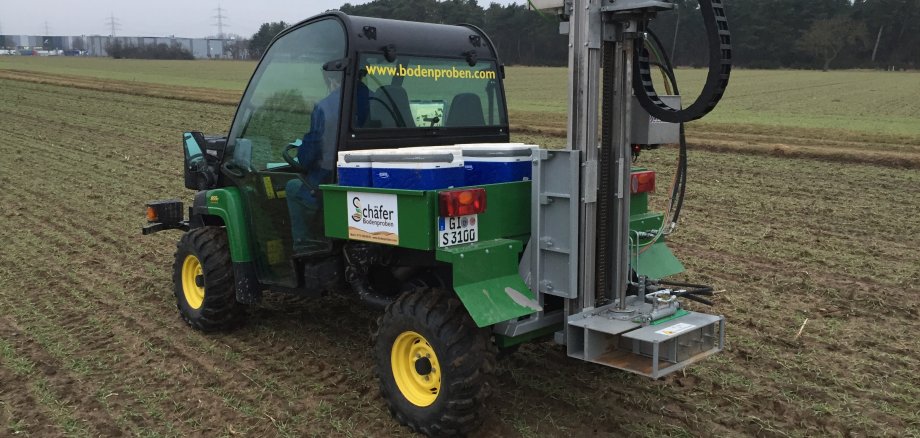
column 291, row 160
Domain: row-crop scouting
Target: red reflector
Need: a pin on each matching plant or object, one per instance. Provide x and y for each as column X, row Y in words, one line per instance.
column 642, row 182
column 462, row 202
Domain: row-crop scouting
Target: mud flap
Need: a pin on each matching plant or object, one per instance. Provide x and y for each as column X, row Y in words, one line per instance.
column 486, row 279
column 657, row 262
column 248, row 290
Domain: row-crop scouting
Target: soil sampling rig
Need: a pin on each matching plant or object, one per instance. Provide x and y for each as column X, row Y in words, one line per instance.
column 374, row 155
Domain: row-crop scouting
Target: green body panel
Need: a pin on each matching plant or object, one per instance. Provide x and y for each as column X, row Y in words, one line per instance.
column 226, row 204
column 648, row 222
column 485, row 273
column 507, row 213
column 658, row 262
column 487, row 281
column 638, row 204
column 417, row 213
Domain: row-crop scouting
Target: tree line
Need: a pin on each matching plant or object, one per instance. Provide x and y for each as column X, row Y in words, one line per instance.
column 765, row 33
column 802, row 33
column 118, row 50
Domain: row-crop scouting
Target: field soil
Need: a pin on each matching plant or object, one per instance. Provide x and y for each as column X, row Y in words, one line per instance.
column 813, row 253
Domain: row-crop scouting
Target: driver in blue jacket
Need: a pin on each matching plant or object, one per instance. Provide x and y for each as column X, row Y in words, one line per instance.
column 317, row 156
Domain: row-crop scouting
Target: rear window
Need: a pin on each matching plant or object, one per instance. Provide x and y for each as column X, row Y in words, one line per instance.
column 423, row 92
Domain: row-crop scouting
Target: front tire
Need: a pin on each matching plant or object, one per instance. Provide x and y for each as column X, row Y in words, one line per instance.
column 203, row 281
column 434, row 364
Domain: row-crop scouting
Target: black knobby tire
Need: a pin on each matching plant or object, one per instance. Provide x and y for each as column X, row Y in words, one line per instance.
column 464, row 350
column 218, row 310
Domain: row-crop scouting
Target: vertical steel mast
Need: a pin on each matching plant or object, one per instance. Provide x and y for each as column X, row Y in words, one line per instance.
column 584, row 89
column 603, row 31
column 580, row 228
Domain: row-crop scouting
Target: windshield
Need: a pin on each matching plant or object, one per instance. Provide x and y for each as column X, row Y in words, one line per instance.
column 421, row 92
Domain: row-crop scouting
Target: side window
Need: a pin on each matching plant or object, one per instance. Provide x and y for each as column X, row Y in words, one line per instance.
column 286, row 90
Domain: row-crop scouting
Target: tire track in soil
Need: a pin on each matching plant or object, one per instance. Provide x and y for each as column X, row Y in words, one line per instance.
column 548, row 363
column 145, row 333
column 86, row 149
column 98, row 122
column 20, row 412
column 865, row 327
column 90, row 282
column 773, row 138
column 86, row 167
column 146, row 348
column 143, row 89
column 108, row 112
column 161, row 343
column 69, row 390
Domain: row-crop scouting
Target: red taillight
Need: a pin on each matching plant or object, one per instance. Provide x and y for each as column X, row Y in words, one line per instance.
column 462, row 202
column 642, row 182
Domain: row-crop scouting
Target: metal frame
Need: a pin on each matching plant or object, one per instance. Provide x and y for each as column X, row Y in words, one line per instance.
column 603, row 325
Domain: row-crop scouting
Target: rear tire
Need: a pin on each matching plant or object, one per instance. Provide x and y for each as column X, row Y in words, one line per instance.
column 434, row 364
column 203, row 281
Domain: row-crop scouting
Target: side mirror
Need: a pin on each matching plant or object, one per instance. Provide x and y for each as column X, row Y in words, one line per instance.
column 194, row 160
column 202, row 155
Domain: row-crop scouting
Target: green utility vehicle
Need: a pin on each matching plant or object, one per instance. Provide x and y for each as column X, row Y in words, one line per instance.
column 571, row 253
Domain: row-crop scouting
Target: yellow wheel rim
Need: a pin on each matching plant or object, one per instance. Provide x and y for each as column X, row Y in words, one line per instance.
column 416, row 368
column 191, row 271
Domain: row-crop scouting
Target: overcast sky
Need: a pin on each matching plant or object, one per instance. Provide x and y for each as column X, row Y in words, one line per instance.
column 189, row 18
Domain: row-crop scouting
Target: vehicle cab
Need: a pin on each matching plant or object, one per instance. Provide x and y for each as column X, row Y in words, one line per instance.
column 335, row 83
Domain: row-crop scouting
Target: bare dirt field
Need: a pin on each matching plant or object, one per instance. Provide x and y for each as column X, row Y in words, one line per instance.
column 788, row 223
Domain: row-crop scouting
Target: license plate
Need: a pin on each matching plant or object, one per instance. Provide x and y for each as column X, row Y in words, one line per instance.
column 458, row 230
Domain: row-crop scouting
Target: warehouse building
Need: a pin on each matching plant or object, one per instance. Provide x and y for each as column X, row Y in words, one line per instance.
column 95, row 45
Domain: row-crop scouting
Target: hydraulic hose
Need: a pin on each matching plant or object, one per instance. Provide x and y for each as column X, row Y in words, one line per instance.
column 678, row 188
column 720, row 54
column 692, row 292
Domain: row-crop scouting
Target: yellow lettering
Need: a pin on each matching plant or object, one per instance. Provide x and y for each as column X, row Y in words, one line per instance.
column 422, row 72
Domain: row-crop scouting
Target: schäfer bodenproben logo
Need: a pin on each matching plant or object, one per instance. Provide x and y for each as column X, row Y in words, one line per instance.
column 356, row 202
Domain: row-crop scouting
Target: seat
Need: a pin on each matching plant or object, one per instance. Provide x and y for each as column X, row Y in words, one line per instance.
column 465, row 110
column 389, row 103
